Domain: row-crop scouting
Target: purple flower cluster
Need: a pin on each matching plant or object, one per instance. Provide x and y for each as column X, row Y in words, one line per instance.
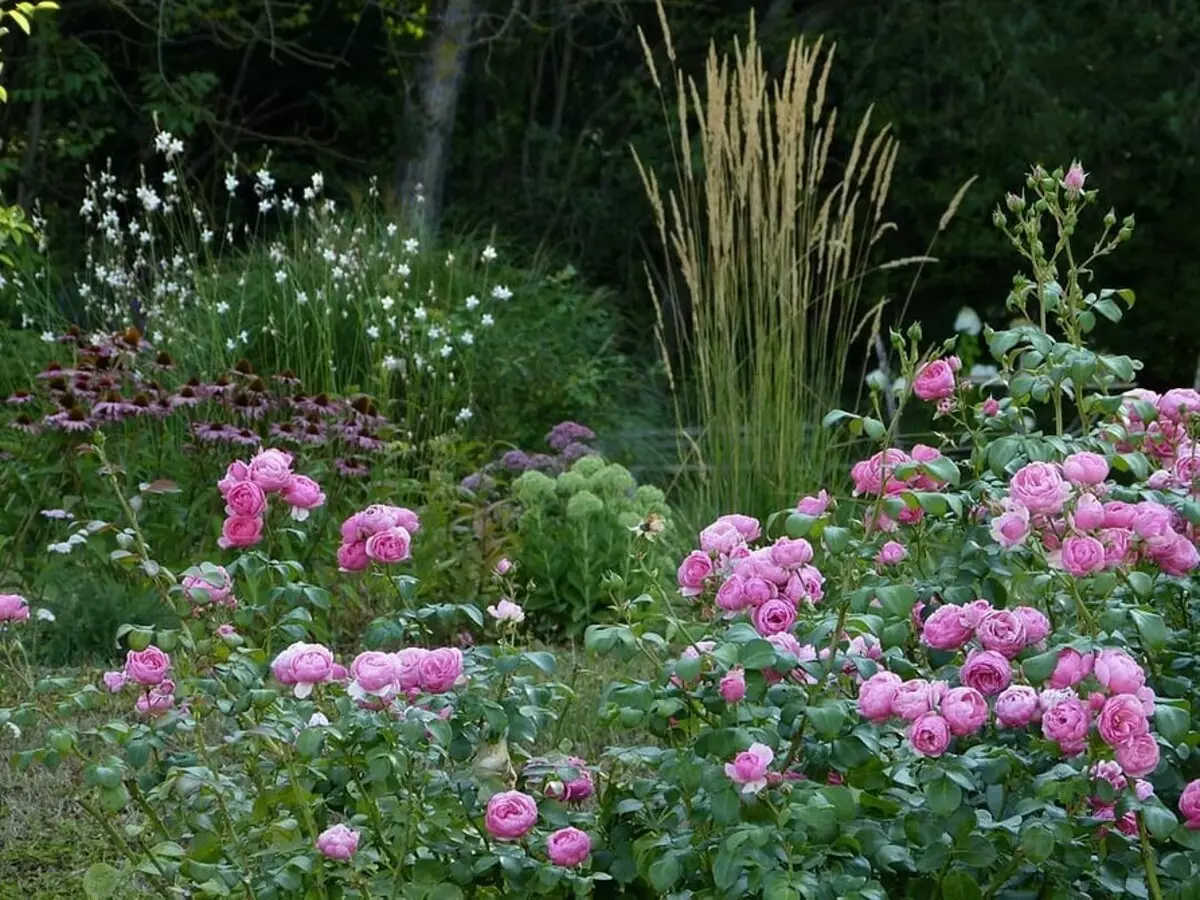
column 567, row 439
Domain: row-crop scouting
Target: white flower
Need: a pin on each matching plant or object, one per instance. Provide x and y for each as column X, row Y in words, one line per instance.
column 280, row 276
column 392, row 229
column 157, row 337
column 403, row 270
column 464, row 415
column 229, row 344
column 63, row 547
column 373, row 332
column 244, row 337
column 445, row 350
column 317, row 720
column 467, row 338
column 501, row 292
column 411, row 245
column 387, row 303
column 449, row 259
column 489, row 253
column 14, row 728
column 44, row 615
column 57, row 514
column 471, row 302
column 169, row 177
column 968, row 322
column 301, row 297
column 390, row 363
column 265, row 181
column 318, row 182
column 48, row 337
column 231, row 182
column 487, row 321
column 507, row 611
column 206, row 235
column 222, row 307
column 419, row 314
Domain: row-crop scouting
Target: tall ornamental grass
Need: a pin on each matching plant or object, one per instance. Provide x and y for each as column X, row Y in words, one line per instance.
column 771, row 237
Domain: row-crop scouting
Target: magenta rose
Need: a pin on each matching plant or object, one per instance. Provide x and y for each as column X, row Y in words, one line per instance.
column 814, row 506
column 155, row 702
column 1066, row 722
column 1118, row 514
column 929, row 734
column 730, row 596
column 749, row 768
column 790, row 553
column 240, row 531
column 245, row 499
column 1138, row 756
column 1179, row 558
column 337, row 842
column 1083, row 556
column 934, row 380
column 875, row 475
column 914, row 698
column 352, row 556
column 440, row 669
column 1039, row 488
column 1037, row 626
column 876, row 694
column 572, row 790
column 774, row 616
column 1017, row 706
column 147, row 667
column 1072, row 667
column 1118, row 672
column 693, row 572
column 1189, row 805
column 733, row 685
column 403, row 517
column 1121, row 718
column 199, row 587
column 1178, row 403
column 1002, row 630
column 947, row 628
column 964, row 710
column 1088, row 469
column 568, row 847
column 114, row 681
column 13, row 608
column 392, row 545
column 891, row 553
column 986, row 671
column 747, row 526
column 510, row 815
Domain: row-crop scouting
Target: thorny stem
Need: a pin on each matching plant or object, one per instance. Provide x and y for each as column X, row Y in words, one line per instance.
column 1149, row 861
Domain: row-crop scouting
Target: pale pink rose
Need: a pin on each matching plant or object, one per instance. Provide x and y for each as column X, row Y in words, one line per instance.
column 774, row 616
column 114, row 681
column 975, row 611
column 1066, row 722
column 302, row 665
column 155, row 702
column 389, row 546
column 749, row 768
column 934, row 380
column 366, row 522
column 337, row 842
column 1039, row 488
column 510, row 815
column 1118, row 672
column 733, row 685
column 373, row 672
column 693, row 572
column 1002, row 630
column 568, row 847
column 352, row 556
column 302, row 494
column 1177, row 404
column 814, row 506
column 947, row 628
column 990, row 407
column 236, row 473
column 929, row 734
column 965, row 710
column 147, row 667
column 218, row 594
column 1121, row 718
column 1083, row 556
column 1088, row 514
column 747, row 526
column 891, row 553
column 1074, row 180
column 225, row 630
column 875, row 696
column 1017, row 706
column 1107, row 770
column 1189, row 805
column 875, row 475
column 13, row 608
column 1118, row 543
column 507, row 611
column 758, row 591
column 1011, row 528
column 924, row 453
column 1184, row 473
column 403, row 517
column 1118, row 514
column 271, row 470
column 730, row 596
column 1037, row 626
column 813, row 582
column 987, row 671
column 1088, row 469
column 914, row 697
column 789, row 553
column 503, row 566
column 1179, row 558
column 440, row 669
column 1152, row 523
column 1072, row 667
column 240, row 531
column 721, row 537
column 408, row 667
column 1138, row 756
column 1050, row 696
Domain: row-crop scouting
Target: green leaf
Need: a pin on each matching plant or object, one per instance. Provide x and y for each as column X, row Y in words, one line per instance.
column 1152, row 629
column 1000, row 342
column 836, row 538
column 664, row 872
column 1141, row 583
column 943, row 468
column 542, row 659
column 827, row 718
column 943, row 796
column 1173, row 723
column 799, row 525
column 445, row 891
column 835, row 416
column 960, row 886
column 874, row 428
column 1037, row 843
column 896, row 599
column 1160, row 821
column 1038, row 668
column 1001, row 452
column 101, row 881
column 757, row 654
column 308, row 744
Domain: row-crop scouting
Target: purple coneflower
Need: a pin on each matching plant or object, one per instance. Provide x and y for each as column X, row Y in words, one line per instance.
column 352, row 467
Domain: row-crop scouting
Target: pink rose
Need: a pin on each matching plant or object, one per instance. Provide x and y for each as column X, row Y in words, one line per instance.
column 1011, row 528
column 1121, row 719
column 568, row 847
column 975, row 611
column 1177, row 404
column 1002, row 630
column 114, row 681
column 13, row 608
column 1138, row 756
column 1179, row 558
column 891, row 553
column 1107, row 770
column 271, row 470
column 1189, row 805
column 155, row 702
column 302, row 494
column 1088, row 514
column 693, row 572
column 747, row 526
column 733, row 685
column 440, row 669
column 964, row 710
column 403, row 517
column 876, row 694
column 749, row 768
column 947, row 628
column 1088, row 469
column 730, row 596
column 1066, row 722
column 721, row 537
column 1118, row 544
column 1017, row 706
column 373, row 672
column 915, row 697
column 875, row 475
column 1039, row 488
column 989, row 407
column 503, row 566
column 774, row 616
column 245, row 499
column 814, row 506
column 303, row 665
column 1118, row 514
column 240, row 531
column 236, row 473
column 813, row 582
column 1037, row 626
column 929, row 734
column 352, row 556
column 790, row 553
column 1072, row 667
column 934, row 380
column 337, row 842
column 1082, row 556
column 507, row 611
column 1118, row 672
column 986, row 671
column 389, row 546
column 220, row 594
column 408, row 667
column 147, row 667
column 575, row 789
column 510, row 815
column 1152, row 523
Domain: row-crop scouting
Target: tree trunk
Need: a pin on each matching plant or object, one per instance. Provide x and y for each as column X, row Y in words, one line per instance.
column 431, row 111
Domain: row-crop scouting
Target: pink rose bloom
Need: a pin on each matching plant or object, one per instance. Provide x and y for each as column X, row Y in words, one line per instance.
column 1037, row 626
column 813, row 582
column 975, row 611
column 440, row 669
column 986, row 671
column 1118, row 672
column 568, row 847
column 964, row 710
column 693, row 572
column 1180, row 557
column 574, row 790
column 874, row 475
column 747, row 526
column 1117, row 546
column 1139, row 755
column 758, row 591
column 774, row 616
column 271, row 470
column 1121, row 719
column 245, row 499
column 1178, row 403
column 226, row 630
column 1011, row 528
column 1002, row 630
column 1107, row 770
column 875, row 696
column 408, row 667
column 789, row 553
column 1189, row 805
column 1083, row 556
column 1118, row 514
column 507, row 611
column 1152, row 523
column 1039, row 488
column 155, row 702
column 1074, row 180
column 221, row 595
column 1072, row 667
column 366, row 522
column 1017, row 706
column 503, row 566
column 303, row 665
column 749, row 768
column 373, row 672
column 403, row 517
column 1088, row 514
column 389, row 546
column 733, row 685
column 13, row 608
column 147, row 667
column 510, row 815
column 1088, row 469
column 814, row 506
column 302, row 494
column 891, row 553
column 946, row 628
column 913, row 698
column 1096, row 701
column 236, row 473
column 730, row 596
column 240, row 531
column 352, row 556
column 934, row 380
column 721, row 537
column 1066, row 722
column 337, row 842
column 990, row 407
column 114, row 681
column 929, row 734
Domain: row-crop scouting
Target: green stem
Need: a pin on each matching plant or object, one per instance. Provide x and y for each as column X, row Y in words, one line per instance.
column 124, row 847
column 1149, row 861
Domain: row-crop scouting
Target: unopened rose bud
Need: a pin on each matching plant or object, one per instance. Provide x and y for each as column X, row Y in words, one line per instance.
column 1074, row 180
column 1110, row 219
column 998, row 219
column 1015, row 203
